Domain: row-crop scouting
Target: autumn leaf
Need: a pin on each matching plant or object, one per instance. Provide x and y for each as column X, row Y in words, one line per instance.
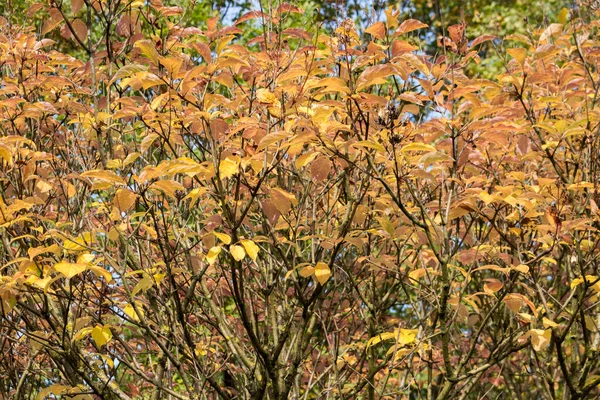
column 377, row 30
column 282, row 200
column 553, row 217
column 251, row 248
column 307, row 271
column 322, row 272
column 212, row 255
column 69, row 270
column 228, row 167
column 237, row 252
column 409, row 25
column 223, row 237
column 417, row 147
column 148, row 49
column 265, row 96
column 124, row 199
column 101, row 335
column 540, row 339
column 103, row 176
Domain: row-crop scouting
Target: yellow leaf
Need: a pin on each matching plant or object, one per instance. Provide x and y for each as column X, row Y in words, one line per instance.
column 328, row 85
column 148, row 49
column 39, row 282
column 522, row 268
column 85, row 258
column 212, row 255
column 237, row 252
column 305, row 159
column 407, row 336
column 418, row 273
column 380, row 338
column 527, row 318
column 307, row 271
column 144, row 284
column 168, row 187
column 32, row 252
column 101, row 335
column 223, row 237
column 131, row 158
column 519, row 54
column 322, row 272
column 228, row 167
column 130, row 311
column 540, row 338
column 589, row 279
column 100, row 271
column 251, row 248
column 103, row 176
column 69, row 270
column 282, row 200
column 265, row 96
column 158, row 278
column 548, row 323
column 185, row 165
column 486, row 197
column 127, row 71
column 171, row 64
column 5, row 154
column 417, row 147
column 402, row 336
column 369, row 144
column 82, row 333
column 54, row 389
column 375, row 75
column 124, row 200
column 590, row 324
column 114, row 164
column 563, row 15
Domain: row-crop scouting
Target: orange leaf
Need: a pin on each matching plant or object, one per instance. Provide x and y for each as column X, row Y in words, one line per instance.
column 408, row 26
column 377, row 30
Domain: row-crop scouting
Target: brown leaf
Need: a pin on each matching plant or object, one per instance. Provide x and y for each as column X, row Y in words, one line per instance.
column 553, row 217
column 76, row 6
column 52, row 22
column 80, row 29
column 271, row 212
column 457, row 33
column 320, row 169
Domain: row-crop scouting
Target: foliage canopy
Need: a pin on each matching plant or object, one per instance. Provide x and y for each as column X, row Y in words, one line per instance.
column 198, row 213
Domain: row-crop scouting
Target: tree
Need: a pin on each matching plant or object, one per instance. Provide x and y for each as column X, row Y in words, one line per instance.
column 193, row 214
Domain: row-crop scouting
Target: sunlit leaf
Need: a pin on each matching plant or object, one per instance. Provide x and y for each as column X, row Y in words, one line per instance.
column 101, row 335
column 322, row 272
column 237, row 252
column 223, row 237
column 213, row 254
column 69, row 269
column 228, row 167
column 251, row 248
